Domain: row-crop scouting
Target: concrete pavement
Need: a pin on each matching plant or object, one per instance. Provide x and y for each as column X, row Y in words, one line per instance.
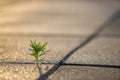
column 83, row 36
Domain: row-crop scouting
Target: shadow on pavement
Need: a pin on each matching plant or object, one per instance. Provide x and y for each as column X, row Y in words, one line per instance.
column 113, row 19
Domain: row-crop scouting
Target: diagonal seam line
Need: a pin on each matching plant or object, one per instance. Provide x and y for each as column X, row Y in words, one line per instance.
column 54, row 68
column 91, row 37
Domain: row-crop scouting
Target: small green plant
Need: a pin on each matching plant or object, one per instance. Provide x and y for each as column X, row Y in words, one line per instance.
column 37, row 50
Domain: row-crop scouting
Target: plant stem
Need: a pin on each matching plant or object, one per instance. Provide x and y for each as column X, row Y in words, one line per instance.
column 39, row 68
column 36, row 60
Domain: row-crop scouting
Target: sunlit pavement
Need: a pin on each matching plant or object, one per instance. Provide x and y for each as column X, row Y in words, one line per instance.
column 83, row 36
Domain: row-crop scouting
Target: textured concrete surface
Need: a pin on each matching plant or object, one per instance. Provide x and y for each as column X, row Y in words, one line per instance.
column 85, row 73
column 15, row 48
column 101, row 50
column 20, row 71
column 113, row 29
column 79, row 33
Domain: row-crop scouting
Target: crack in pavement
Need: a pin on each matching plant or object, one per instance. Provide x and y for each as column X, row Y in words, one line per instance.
column 67, row 64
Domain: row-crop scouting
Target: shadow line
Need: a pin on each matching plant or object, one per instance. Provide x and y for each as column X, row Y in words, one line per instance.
column 102, row 27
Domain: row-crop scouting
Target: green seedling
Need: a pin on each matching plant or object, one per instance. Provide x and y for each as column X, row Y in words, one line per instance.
column 37, row 50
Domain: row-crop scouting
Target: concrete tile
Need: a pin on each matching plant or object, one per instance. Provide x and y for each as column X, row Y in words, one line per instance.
column 113, row 29
column 55, row 17
column 20, row 71
column 15, row 48
column 101, row 50
column 85, row 73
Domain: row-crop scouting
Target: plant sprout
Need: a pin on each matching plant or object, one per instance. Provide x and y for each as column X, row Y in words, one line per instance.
column 37, row 50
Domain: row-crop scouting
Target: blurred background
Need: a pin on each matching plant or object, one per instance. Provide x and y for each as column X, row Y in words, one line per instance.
column 63, row 17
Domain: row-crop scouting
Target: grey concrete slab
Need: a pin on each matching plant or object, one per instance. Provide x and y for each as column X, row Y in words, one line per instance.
column 59, row 17
column 101, row 50
column 20, row 71
column 85, row 73
column 113, row 29
column 15, row 48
